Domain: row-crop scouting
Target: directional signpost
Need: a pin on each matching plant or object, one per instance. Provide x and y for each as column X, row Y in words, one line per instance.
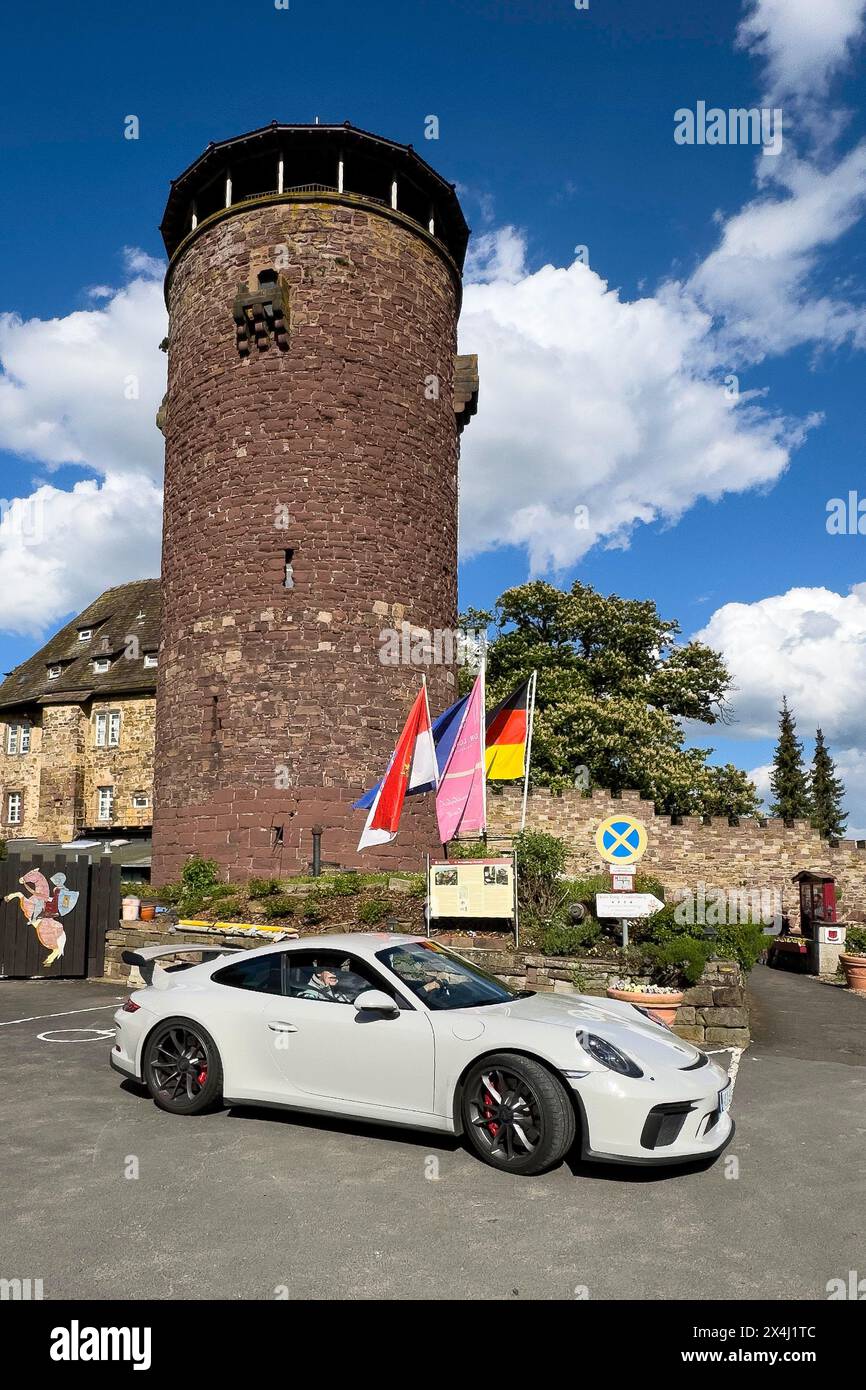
column 626, row 905
column 621, row 840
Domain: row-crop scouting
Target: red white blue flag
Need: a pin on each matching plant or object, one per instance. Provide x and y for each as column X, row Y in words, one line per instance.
column 413, row 763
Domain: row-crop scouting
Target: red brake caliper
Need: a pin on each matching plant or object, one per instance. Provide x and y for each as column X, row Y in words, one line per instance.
column 488, row 1105
column 202, row 1076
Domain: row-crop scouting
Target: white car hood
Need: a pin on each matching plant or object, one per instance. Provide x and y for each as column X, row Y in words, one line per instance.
column 613, row 1019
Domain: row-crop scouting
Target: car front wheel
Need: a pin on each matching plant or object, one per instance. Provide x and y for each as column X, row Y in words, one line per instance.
column 182, row 1068
column 516, row 1114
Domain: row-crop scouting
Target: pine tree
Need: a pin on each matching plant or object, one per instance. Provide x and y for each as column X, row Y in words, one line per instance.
column 827, row 793
column 788, row 780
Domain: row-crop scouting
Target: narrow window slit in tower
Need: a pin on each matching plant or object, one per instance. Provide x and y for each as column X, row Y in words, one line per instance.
column 289, row 580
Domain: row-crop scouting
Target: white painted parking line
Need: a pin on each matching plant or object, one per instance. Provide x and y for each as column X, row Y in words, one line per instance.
column 52, row 1035
column 733, row 1069
column 67, row 1013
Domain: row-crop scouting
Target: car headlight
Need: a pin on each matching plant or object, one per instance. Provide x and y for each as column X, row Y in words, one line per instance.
column 609, row 1056
column 647, row 1013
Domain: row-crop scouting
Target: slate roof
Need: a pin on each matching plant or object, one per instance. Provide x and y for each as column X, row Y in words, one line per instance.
column 114, row 618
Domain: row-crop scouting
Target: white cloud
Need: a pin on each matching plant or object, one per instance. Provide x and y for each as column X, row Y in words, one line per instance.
column 809, row 645
column 759, row 282
column 803, row 43
column 59, row 549
column 83, row 389
column 592, row 401
column 851, row 767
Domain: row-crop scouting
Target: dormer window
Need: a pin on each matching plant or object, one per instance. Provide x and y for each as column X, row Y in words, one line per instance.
column 85, row 634
column 151, row 660
column 101, row 665
column 54, row 672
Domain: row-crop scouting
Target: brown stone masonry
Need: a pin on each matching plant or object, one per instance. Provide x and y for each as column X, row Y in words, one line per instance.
column 274, row 709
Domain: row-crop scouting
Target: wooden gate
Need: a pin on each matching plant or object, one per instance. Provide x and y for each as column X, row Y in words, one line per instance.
column 96, row 911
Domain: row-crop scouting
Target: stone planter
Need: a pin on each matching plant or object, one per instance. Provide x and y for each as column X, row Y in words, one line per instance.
column 855, row 972
column 661, row 1006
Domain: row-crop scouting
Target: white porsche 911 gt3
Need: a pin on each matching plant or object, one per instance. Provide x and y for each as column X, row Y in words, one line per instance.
column 399, row 1030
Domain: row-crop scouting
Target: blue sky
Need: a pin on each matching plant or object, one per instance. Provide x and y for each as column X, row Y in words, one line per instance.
column 557, row 126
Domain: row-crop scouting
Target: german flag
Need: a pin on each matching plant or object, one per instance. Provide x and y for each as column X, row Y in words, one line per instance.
column 507, row 730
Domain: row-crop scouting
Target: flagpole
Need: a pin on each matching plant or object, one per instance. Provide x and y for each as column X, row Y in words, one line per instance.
column 482, row 736
column 528, row 748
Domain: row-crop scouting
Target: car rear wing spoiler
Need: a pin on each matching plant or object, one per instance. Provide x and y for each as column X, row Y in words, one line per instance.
column 146, row 958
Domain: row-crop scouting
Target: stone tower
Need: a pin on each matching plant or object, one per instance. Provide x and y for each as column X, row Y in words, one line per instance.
column 311, row 427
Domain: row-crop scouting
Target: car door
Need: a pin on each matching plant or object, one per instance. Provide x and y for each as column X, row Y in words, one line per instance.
column 325, row 1049
column 241, row 996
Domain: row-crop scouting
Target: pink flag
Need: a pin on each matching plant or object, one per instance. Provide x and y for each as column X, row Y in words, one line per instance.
column 461, row 802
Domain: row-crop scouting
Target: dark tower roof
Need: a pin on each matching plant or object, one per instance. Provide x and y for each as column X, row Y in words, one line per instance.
column 312, row 157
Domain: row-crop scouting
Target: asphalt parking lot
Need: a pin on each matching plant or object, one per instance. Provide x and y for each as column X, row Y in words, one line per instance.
column 242, row 1203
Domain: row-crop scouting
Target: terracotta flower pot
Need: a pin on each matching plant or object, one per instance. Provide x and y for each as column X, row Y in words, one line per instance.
column 855, row 972
column 148, row 912
column 661, row 1006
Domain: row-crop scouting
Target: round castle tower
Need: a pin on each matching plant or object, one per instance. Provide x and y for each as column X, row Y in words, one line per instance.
column 311, row 426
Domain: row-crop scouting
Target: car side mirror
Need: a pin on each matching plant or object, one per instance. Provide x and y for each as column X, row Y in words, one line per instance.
column 375, row 1001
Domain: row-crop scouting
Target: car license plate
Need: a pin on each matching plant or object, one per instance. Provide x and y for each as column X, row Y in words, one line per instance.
column 725, row 1098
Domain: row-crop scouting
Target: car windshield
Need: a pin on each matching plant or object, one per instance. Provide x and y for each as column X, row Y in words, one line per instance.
column 443, row 980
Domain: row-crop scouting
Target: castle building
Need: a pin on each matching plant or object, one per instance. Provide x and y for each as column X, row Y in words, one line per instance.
column 77, row 724
column 311, row 423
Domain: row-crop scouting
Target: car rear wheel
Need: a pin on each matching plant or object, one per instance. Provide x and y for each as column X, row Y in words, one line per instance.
column 182, row 1069
column 516, row 1114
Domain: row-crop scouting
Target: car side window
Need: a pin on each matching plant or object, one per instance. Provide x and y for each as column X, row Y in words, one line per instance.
column 262, row 974
column 331, row 977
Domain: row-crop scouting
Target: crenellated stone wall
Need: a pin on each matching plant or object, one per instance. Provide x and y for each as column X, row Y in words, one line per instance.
column 753, row 855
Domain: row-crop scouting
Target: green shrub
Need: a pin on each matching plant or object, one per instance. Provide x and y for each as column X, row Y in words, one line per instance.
column 313, row 915
column 223, row 890
column 198, row 876
column 225, row 907
column 855, row 942
column 677, row 962
column 744, row 942
column 131, row 888
column 373, row 911
column 345, row 885
column 169, row 893
column 468, row 849
column 278, row 905
column 262, row 887
column 417, row 886
column 541, row 893
column 563, row 939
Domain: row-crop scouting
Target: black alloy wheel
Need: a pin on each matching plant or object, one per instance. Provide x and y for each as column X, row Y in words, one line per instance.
column 182, row 1069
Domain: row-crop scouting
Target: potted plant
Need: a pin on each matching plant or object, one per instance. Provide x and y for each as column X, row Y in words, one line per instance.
column 853, row 959
column 658, row 1000
column 672, row 965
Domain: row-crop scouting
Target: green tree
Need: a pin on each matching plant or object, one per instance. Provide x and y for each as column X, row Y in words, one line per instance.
column 788, row 779
column 827, row 792
column 613, row 689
